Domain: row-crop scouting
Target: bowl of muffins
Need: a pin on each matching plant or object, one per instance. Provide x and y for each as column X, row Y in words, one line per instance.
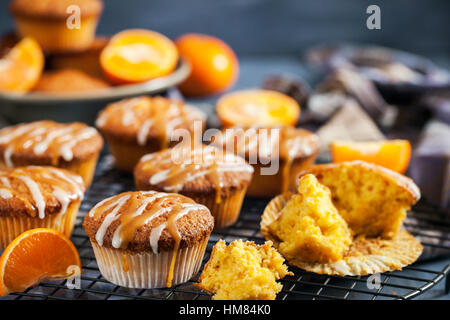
column 55, row 62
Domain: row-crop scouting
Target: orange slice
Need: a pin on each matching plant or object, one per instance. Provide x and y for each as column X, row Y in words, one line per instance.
column 35, row 256
column 22, row 67
column 391, row 154
column 215, row 66
column 138, row 55
column 263, row 108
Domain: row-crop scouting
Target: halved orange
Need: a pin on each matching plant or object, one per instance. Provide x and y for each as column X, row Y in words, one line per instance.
column 22, row 67
column 138, row 55
column 265, row 108
column 35, row 256
column 391, row 154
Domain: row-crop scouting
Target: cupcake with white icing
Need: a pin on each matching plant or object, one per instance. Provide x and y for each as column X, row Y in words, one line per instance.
column 148, row 239
column 137, row 126
column 72, row 146
column 38, row 197
column 210, row 176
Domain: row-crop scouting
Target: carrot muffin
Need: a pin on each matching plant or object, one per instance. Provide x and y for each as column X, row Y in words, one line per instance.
column 243, row 271
column 48, row 22
column 137, row 126
column 72, row 146
column 276, row 154
column 372, row 199
column 37, row 197
column 148, row 239
column 67, row 81
column 86, row 60
column 316, row 235
column 206, row 174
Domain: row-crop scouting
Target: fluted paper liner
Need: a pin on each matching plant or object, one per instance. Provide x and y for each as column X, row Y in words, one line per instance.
column 12, row 226
column 365, row 255
column 148, row 270
column 226, row 212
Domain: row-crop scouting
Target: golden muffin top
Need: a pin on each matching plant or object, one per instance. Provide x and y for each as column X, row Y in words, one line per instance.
column 140, row 119
column 202, row 169
column 148, row 221
column 38, row 191
column 287, row 143
column 48, row 142
column 54, row 9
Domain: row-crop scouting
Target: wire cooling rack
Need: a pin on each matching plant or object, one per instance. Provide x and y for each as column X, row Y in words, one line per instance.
column 427, row 223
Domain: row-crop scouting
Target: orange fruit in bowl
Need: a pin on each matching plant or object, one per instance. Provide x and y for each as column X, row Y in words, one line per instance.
column 34, row 256
column 138, row 55
column 215, row 67
column 264, row 108
column 22, row 67
column 391, row 154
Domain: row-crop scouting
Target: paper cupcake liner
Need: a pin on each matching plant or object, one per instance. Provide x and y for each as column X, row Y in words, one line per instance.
column 11, row 227
column 365, row 255
column 83, row 168
column 148, row 270
column 226, row 212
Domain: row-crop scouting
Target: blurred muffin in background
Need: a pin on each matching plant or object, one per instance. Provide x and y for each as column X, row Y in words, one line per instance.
column 54, row 23
column 67, row 81
column 86, row 60
column 7, row 42
column 71, row 146
column 137, row 126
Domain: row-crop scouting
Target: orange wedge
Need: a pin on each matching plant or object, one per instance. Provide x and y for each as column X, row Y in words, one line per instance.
column 391, row 154
column 263, row 108
column 22, row 67
column 138, row 55
column 35, row 256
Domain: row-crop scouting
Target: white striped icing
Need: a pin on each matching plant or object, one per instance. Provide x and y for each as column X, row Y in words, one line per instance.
column 143, row 132
column 36, row 194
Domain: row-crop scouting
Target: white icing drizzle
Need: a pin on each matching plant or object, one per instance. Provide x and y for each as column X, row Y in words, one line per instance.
column 5, row 181
column 143, row 132
column 75, row 181
column 5, row 193
column 7, row 155
column 42, row 146
column 66, row 150
column 110, row 218
column 36, row 194
column 156, row 232
column 63, row 199
column 116, row 240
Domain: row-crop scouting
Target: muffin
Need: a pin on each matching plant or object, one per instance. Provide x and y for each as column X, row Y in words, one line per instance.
column 86, row 61
column 37, row 197
column 243, row 271
column 148, row 239
column 309, row 227
column 72, row 146
column 314, row 232
column 373, row 200
column 206, row 174
column 48, row 21
column 67, row 81
column 137, row 126
column 276, row 154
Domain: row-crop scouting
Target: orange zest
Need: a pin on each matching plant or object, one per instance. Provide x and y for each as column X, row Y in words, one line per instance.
column 264, row 108
column 22, row 67
column 138, row 55
column 215, row 67
column 391, row 154
column 37, row 255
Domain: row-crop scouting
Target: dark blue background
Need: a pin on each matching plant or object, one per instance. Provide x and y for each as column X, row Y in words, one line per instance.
column 283, row 27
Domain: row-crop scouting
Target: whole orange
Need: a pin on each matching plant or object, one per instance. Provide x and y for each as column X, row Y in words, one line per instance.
column 215, row 67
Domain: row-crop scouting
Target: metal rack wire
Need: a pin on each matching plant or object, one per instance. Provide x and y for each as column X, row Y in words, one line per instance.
column 425, row 222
